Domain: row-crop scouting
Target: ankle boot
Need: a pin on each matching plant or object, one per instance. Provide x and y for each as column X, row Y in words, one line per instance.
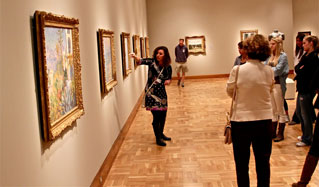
column 274, row 129
column 161, row 130
column 280, row 135
column 158, row 137
column 307, row 171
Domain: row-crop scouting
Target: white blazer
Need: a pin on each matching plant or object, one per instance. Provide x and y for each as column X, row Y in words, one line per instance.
column 253, row 95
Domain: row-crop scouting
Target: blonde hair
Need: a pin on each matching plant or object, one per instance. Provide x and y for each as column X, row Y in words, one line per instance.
column 274, row 57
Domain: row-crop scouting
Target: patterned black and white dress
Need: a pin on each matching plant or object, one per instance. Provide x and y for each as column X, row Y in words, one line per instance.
column 156, row 97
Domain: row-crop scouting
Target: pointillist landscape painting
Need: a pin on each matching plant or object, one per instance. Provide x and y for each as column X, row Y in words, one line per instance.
column 108, row 60
column 60, row 71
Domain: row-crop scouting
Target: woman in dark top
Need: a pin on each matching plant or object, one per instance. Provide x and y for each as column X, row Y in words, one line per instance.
column 159, row 75
column 305, row 71
column 313, row 155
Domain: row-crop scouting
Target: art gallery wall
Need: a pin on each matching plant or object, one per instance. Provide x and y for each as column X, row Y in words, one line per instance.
column 74, row 158
column 220, row 22
column 305, row 15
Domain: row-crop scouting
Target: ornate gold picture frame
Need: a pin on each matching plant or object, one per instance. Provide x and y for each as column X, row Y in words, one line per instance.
column 247, row 33
column 147, row 47
column 58, row 53
column 136, row 47
column 126, row 50
column 107, row 60
column 142, row 42
column 196, row 45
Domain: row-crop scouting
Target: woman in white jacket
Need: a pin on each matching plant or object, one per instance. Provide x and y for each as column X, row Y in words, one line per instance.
column 252, row 111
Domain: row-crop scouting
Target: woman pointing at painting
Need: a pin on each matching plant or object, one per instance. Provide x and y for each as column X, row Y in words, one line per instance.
column 159, row 75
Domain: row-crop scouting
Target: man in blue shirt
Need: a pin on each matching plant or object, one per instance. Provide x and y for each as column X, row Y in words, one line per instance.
column 181, row 53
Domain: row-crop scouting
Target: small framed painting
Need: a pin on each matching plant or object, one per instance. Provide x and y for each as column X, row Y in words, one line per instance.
column 247, row 33
column 59, row 70
column 126, row 50
column 196, row 45
column 136, row 47
column 147, row 47
column 107, row 60
column 142, row 42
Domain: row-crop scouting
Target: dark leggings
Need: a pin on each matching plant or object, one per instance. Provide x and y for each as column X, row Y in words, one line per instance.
column 159, row 118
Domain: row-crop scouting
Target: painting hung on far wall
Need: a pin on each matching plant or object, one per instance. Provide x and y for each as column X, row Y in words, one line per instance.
column 142, row 42
column 196, row 45
column 136, row 47
column 306, row 33
column 126, row 50
column 107, row 60
column 59, row 70
column 247, row 33
column 147, row 47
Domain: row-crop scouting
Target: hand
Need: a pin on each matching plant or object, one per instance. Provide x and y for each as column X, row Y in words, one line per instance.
column 167, row 82
column 137, row 59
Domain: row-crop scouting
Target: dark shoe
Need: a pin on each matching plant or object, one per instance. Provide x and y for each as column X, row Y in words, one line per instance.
column 166, row 138
column 298, row 185
column 182, row 84
column 160, row 142
column 274, row 129
column 292, row 123
column 307, row 171
column 281, row 130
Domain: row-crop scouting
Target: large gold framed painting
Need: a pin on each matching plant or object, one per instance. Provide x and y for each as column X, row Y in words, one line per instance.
column 107, row 60
column 59, row 68
column 136, row 47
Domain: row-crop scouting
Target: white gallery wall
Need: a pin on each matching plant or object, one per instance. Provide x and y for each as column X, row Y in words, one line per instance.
column 305, row 16
column 220, row 22
column 75, row 158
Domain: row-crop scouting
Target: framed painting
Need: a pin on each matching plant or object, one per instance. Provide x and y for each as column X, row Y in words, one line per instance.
column 306, row 33
column 147, row 47
column 136, row 47
column 107, row 60
column 58, row 55
column 142, row 42
column 247, row 33
column 126, row 50
column 196, row 45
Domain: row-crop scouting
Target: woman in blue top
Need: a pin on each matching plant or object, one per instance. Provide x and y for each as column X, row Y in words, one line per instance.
column 279, row 63
column 159, row 75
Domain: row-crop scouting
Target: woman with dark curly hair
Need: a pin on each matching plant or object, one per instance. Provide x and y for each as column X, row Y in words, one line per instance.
column 252, row 111
column 159, row 75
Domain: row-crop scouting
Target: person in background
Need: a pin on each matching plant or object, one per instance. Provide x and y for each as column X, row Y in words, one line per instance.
column 278, row 61
column 298, row 54
column 313, row 154
column 252, row 111
column 242, row 58
column 159, row 75
column 305, row 71
column 181, row 54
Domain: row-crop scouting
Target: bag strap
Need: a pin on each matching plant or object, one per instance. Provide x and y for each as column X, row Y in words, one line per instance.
column 154, row 82
column 234, row 93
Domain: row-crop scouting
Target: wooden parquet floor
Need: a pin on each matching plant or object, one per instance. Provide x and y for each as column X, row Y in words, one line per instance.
column 197, row 156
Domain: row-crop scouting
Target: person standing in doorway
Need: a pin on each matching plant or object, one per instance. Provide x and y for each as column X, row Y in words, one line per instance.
column 181, row 54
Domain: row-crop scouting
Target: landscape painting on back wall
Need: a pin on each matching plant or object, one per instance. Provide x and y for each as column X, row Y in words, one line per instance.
column 196, row 45
column 59, row 72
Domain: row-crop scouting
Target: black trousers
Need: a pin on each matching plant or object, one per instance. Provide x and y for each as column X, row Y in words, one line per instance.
column 258, row 134
column 314, row 149
column 159, row 118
